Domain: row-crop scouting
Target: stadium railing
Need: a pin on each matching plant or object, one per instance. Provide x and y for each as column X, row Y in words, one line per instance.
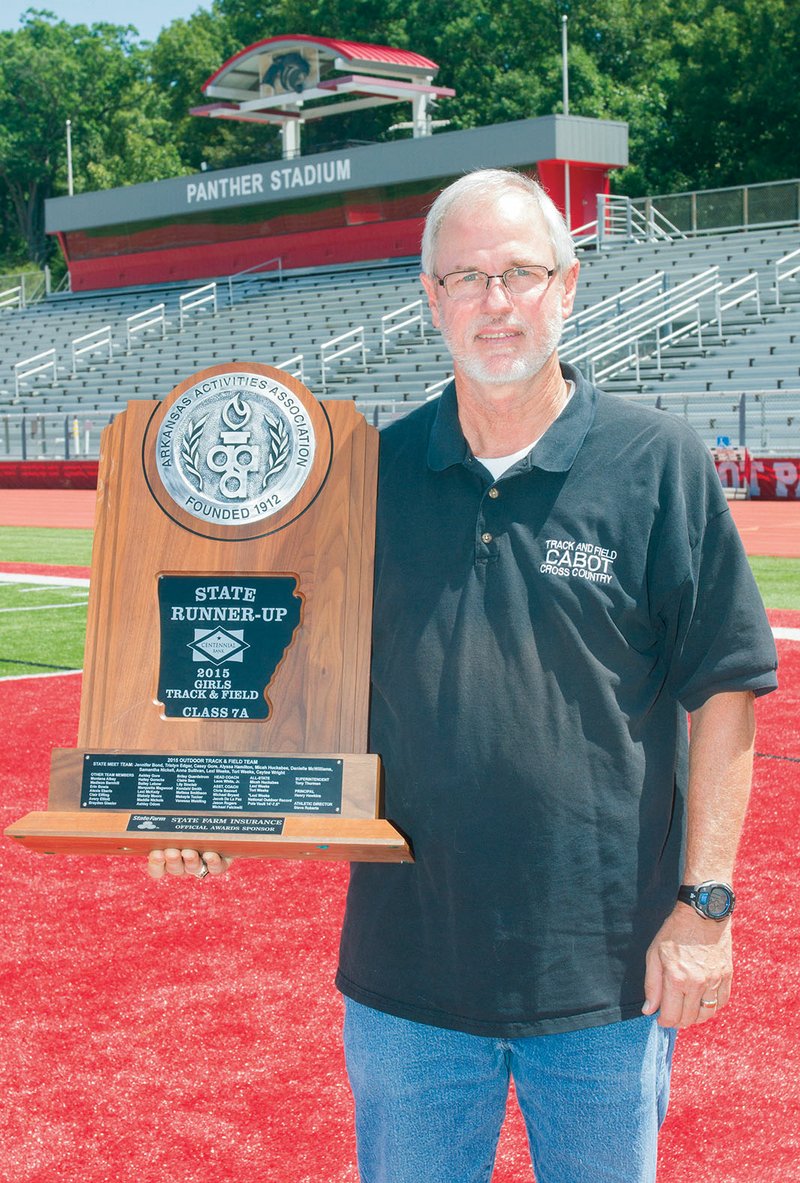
column 645, row 331
column 619, row 220
column 737, row 207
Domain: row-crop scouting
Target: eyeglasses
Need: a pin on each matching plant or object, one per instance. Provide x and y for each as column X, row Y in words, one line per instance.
column 470, row 285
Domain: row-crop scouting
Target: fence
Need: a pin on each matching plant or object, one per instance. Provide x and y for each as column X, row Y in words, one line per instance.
column 644, row 331
column 29, row 287
column 293, row 366
column 26, row 436
column 12, row 297
column 579, row 322
column 620, row 220
column 257, row 267
column 783, row 271
column 766, row 422
column 740, row 207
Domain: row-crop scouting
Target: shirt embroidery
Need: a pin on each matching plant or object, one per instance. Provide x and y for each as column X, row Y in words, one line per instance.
column 581, row 560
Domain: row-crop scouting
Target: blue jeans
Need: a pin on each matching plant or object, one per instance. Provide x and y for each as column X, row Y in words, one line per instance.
column 430, row 1102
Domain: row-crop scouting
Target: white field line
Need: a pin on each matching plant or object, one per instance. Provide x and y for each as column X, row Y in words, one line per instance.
column 52, row 674
column 43, row 582
column 42, row 607
column 46, row 581
column 49, row 580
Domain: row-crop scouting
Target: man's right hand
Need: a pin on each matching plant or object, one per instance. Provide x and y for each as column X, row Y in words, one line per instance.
column 189, row 863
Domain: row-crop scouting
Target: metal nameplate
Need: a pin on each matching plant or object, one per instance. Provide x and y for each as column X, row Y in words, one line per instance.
column 229, row 783
column 222, row 639
column 205, row 824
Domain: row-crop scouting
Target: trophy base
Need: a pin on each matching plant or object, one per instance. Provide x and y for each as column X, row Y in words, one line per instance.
column 293, row 836
column 249, row 805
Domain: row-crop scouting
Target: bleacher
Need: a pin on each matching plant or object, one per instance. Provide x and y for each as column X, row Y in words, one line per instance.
column 750, row 348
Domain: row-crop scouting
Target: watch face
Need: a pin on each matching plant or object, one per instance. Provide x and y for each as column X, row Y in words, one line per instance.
column 716, row 902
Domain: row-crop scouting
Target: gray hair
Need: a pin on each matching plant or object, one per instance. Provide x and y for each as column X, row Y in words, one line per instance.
column 480, row 187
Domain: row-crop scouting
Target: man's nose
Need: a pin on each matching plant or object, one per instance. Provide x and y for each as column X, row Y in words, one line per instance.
column 497, row 292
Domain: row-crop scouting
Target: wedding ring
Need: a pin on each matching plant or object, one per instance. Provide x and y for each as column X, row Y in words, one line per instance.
column 714, row 1002
column 201, row 874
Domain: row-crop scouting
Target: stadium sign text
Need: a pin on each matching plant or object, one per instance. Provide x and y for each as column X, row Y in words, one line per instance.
column 279, row 179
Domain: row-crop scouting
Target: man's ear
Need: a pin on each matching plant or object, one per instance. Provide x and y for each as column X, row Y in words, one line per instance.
column 432, row 292
column 570, row 288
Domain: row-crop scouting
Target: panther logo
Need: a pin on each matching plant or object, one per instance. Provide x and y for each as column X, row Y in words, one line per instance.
column 288, row 72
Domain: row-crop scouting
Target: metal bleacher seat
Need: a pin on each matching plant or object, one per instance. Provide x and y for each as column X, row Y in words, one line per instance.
column 271, row 321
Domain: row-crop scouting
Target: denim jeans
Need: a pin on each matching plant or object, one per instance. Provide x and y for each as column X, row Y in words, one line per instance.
column 430, row 1102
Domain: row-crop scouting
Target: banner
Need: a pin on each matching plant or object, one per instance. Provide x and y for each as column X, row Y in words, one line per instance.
column 769, row 478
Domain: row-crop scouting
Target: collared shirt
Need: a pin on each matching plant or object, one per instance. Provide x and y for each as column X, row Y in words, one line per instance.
column 537, row 642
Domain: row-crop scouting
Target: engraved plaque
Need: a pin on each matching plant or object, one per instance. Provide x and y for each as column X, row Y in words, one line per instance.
column 221, row 643
column 240, row 784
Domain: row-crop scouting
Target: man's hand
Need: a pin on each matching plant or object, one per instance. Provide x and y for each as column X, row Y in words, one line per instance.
column 689, row 966
column 186, row 862
column 690, row 962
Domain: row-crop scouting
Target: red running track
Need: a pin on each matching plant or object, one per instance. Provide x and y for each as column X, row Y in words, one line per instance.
column 767, row 527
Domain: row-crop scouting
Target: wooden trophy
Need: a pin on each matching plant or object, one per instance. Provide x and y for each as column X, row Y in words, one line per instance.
column 226, row 676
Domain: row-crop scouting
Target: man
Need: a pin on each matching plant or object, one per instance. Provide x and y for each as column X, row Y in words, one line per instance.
column 558, row 581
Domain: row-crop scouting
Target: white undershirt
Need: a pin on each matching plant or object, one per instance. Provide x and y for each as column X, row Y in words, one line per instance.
column 497, row 465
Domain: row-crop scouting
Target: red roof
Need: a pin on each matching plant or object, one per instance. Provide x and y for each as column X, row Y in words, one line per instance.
column 351, row 51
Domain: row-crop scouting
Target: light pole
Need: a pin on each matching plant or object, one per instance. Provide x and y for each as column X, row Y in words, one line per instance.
column 70, row 188
column 565, row 105
column 564, row 64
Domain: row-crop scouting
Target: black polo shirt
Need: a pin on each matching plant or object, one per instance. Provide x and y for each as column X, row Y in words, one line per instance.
column 537, row 642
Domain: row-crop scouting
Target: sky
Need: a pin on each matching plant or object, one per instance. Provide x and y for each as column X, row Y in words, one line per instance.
column 148, row 16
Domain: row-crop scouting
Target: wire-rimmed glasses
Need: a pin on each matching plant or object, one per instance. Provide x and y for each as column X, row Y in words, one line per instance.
column 467, row 285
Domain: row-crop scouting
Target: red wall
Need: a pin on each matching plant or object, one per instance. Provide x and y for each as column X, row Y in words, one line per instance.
column 48, row 474
column 585, row 182
column 369, row 224
column 345, row 244
column 771, row 479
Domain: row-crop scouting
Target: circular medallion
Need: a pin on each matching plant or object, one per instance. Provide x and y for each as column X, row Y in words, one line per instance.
column 235, row 447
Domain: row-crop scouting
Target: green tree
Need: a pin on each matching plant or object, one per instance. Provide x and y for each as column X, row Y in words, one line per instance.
column 718, row 84
column 51, row 71
column 185, row 54
column 708, row 88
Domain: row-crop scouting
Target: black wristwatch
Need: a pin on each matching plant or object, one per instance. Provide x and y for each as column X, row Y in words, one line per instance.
column 714, row 901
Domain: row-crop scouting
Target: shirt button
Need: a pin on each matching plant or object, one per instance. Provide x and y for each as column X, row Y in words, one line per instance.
column 487, row 538
column 494, row 492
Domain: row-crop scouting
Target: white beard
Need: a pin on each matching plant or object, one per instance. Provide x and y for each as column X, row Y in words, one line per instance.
column 500, row 370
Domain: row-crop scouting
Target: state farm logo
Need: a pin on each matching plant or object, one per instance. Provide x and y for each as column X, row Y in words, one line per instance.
column 578, row 560
column 236, row 447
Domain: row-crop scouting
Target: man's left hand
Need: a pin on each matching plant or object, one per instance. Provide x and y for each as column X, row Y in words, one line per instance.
column 689, row 969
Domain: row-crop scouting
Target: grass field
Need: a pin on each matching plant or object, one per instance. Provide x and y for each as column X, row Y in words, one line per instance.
column 778, row 581
column 42, row 628
column 63, row 548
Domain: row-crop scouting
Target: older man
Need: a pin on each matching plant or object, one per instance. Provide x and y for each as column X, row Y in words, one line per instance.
column 558, row 581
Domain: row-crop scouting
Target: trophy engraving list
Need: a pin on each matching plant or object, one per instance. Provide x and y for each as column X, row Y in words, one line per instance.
column 233, row 784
